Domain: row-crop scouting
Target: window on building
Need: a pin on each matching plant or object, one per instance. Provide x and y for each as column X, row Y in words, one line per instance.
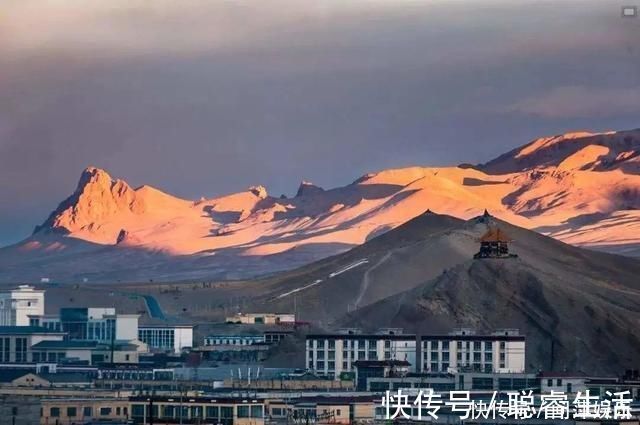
column 477, row 345
column 87, row 411
column 559, row 382
column 72, row 412
column 5, row 349
column 244, row 412
column 54, row 412
column 21, row 350
column 226, row 412
column 211, row 412
column 332, row 344
column 482, row 383
column 106, row 411
column 445, row 345
column 257, row 411
column 550, row 382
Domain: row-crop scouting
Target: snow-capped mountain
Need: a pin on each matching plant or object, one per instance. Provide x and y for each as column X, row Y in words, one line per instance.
column 580, row 188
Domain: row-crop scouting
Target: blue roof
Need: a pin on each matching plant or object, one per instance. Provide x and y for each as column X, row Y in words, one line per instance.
column 65, row 344
column 26, row 330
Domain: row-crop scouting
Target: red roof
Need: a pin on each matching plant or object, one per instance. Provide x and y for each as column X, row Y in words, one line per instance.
column 495, row 234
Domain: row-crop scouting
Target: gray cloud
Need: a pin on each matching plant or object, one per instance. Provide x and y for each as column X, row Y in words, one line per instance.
column 580, row 101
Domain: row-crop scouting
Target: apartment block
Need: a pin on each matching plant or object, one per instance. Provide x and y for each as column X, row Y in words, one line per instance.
column 333, row 354
column 500, row 352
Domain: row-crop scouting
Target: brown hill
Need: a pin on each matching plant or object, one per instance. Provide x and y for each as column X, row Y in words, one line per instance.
column 579, row 309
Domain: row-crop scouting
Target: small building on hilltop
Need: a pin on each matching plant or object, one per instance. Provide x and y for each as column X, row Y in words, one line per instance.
column 494, row 244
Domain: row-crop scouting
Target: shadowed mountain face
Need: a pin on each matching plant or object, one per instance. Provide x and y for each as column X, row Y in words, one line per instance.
column 580, row 305
column 580, row 188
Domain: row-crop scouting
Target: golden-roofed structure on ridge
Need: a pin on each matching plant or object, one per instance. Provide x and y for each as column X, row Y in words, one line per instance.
column 494, row 244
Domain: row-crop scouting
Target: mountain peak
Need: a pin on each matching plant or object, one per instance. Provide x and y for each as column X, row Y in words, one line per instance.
column 260, row 191
column 308, row 188
column 575, row 150
column 97, row 198
column 94, row 176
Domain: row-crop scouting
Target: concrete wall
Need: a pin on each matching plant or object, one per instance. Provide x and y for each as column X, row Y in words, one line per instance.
column 19, row 410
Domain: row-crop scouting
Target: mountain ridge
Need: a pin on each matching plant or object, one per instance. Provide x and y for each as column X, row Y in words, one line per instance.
column 581, row 188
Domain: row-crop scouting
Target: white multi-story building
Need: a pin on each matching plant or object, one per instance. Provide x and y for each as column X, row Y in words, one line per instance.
column 16, row 305
column 463, row 350
column 16, row 342
column 100, row 324
column 333, row 354
column 166, row 338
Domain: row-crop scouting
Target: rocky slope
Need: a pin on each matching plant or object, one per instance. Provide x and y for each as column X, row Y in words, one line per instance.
column 583, row 306
column 580, row 188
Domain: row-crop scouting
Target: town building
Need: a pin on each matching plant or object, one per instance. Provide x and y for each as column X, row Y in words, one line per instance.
column 84, row 411
column 566, row 382
column 86, row 352
column 438, row 382
column 262, row 318
column 334, row 354
column 166, row 338
column 463, row 350
column 19, row 410
column 100, row 324
column 328, row 408
column 16, row 342
column 275, row 336
column 236, row 340
column 214, row 410
column 630, row 381
column 16, row 305
column 366, row 369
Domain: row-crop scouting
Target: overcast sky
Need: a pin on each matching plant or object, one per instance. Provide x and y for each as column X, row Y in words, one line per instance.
column 206, row 97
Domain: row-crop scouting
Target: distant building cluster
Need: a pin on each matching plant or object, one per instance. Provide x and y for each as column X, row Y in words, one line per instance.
column 95, row 365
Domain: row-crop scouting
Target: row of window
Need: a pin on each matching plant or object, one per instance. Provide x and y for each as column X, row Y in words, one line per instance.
column 217, row 413
column 87, row 412
column 361, row 344
column 157, row 338
column 20, row 349
column 460, row 345
column 233, row 341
